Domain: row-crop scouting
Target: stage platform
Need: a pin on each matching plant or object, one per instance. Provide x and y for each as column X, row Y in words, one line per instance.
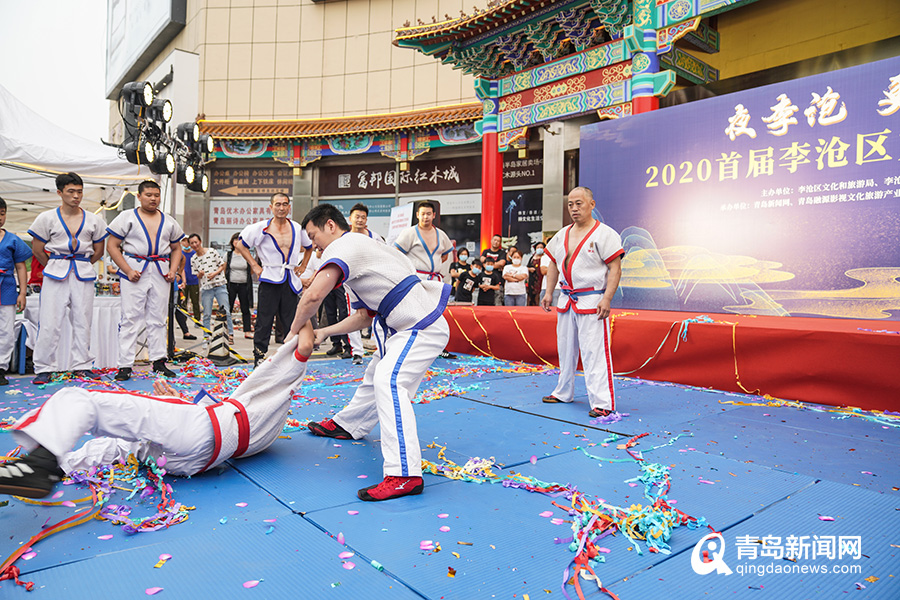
column 287, row 524
column 839, row 362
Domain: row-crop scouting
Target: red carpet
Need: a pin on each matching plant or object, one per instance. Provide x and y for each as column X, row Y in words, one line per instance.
column 828, row 361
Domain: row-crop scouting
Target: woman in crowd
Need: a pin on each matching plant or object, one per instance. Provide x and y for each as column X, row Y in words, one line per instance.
column 240, row 284
column 534, row 274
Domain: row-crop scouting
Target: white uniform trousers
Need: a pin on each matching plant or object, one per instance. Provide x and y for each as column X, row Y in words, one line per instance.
column 385, row 395
column 144, row 303
column 7, row 334
column 70, row 299
column 356, row 345
column 590, row 335
column 123, row 423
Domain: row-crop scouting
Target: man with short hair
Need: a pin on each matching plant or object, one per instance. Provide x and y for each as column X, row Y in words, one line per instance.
column 427, row 247
column 409, row 328
column 359, row 221
column 67, row 241
column 210, row 268
column 144, row 244
column 282, row 247
column 588, row 256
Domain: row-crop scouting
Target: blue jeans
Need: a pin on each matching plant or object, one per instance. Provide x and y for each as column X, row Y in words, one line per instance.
column 220, row 294
column 515, row 300
column 555, row 298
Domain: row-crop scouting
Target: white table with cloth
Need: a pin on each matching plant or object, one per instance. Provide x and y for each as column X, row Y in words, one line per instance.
column 104, row 331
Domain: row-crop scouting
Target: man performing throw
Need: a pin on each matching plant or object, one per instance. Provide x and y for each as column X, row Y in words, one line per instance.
column 409, row 329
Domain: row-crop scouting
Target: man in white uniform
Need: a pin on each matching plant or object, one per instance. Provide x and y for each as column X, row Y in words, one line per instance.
column 144, row 244
column 282, row 248
column 427, row 247
column 588, row 256
column 67, row 241
column 193, row 437
column 409, row 328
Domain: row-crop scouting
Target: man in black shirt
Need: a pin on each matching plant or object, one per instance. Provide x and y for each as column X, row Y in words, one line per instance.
column 488, row 283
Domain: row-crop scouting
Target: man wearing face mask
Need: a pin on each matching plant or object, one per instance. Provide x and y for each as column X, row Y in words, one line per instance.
column 488, row 284
column 515, row 276
column 468, row 283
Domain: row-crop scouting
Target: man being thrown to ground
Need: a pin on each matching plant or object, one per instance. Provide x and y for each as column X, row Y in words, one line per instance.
column 192, row 437
column 409, row 329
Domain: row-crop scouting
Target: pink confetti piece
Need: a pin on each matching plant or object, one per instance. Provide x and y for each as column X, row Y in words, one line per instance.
column 824, row 518
column 566, row 432
column 867, row 472
column 68, row 503
column 241, row 504
column 604, row 550
column 533, row 460
column 337, row 445
column 29, row 555
column 104, row 537
column 557, row 521
column 692, row 449
column 161, row 461
column 701, row 480
column 673, row 501
column 632, row 485
column 340, row 537
column 352, row 512
column 362, row 476
column 443, row 516
column 682, row 450
column 269, row 520
column 345, row 555
column 445, row 529
column 546, row 514
column 251, row 584
column 165, row 557
column 349, row 565
column 58, row 495
column 153, row 591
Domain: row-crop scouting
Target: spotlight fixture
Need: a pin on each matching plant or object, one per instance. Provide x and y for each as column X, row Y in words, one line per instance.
column 206, row 145
column 186, row 174
column 165, row 161
column 189, row 133
column 138, row 93
column 160, row 110
column 139, row 152
column 201, row 183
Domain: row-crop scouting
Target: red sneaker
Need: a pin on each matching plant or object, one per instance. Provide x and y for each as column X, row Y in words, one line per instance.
column 328, row 428
column 392, row 487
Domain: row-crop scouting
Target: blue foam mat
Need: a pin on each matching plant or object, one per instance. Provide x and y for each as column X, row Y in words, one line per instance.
column 796, row 516
column 822, row 455
column 297, row 560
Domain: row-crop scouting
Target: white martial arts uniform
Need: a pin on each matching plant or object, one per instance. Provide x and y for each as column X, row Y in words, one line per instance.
column 384, row 282
column 355, row 337
column 428, row 262
column 145, row 303
column 192, row 437
column 68, row 286
column 277, row 268
column 583, row 272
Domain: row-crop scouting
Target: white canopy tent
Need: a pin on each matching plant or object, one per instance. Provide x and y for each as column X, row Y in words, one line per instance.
column 33, row 151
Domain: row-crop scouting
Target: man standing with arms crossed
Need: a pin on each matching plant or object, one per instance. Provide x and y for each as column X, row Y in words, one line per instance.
column 67, row 241
column 588, row 256
column 427, row 247
column 283, row 250
column 384, row 285
column 144, row 244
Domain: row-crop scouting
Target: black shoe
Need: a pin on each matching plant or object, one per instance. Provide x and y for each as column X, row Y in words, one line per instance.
column 335, row 350
column 599, row 412
column 3, row 379
column 123, row 374
column 31, row 477
column 189, row 336
column 357, row 359
column 87, row 374
column 159, row 366
column 328, row 428
column 42, row 378
column 551, row 400
column 258, row 358
column 347, row 353
column 447, row 355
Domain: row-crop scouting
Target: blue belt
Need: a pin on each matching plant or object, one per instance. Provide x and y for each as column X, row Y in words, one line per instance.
column 573, row 294
column 391, row 300
column 149, row 258
column 78, row 257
